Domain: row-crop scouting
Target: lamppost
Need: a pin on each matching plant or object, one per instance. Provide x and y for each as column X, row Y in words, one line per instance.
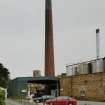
column 23, row 91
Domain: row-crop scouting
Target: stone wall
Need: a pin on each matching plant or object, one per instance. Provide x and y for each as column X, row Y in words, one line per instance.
column 84, row 87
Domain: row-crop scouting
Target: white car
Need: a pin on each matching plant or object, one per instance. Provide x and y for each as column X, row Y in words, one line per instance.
column 43, row 98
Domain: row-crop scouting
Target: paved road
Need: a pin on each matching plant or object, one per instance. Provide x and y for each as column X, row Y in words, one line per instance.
column 12, row 102
column 90, row 103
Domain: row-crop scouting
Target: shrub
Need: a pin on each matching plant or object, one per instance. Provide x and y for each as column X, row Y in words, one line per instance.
column 2, row 97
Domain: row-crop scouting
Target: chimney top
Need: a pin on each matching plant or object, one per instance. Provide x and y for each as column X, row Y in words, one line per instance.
column 48, row 4
column 97, row 30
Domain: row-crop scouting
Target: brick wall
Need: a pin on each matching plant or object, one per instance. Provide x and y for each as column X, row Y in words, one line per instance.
column 84, row 87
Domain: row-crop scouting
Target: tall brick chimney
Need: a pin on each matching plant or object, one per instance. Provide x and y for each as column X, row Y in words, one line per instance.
column 49, row 49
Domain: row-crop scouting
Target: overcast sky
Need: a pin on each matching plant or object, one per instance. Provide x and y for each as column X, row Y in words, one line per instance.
column 22, row 33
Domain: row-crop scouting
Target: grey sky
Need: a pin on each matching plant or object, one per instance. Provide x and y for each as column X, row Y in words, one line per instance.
column 22, row 33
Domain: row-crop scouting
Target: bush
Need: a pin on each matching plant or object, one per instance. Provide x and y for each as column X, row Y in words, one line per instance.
column 2, row 97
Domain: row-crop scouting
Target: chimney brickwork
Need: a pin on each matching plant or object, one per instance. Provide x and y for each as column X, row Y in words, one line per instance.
column 49, row 49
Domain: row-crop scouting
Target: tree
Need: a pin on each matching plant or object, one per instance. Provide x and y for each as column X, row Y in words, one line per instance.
column 4, row 76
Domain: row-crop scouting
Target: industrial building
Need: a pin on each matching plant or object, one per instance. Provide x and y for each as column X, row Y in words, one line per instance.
column 20, row 87
column 84, row 87
column 88, row 67
column 84, row 81
column 17, row 85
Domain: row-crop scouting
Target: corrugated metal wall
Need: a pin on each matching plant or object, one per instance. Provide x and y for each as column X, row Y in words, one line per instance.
column 16, row 86
column 94, row 66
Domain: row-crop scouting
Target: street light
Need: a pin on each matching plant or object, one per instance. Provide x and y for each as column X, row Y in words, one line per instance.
column 22, row 92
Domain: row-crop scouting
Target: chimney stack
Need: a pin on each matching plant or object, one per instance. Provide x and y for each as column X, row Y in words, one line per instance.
column 49, row 49
column 97, row 43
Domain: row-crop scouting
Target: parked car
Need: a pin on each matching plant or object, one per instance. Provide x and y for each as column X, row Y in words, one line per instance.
column 43, row 98
column 65, row 100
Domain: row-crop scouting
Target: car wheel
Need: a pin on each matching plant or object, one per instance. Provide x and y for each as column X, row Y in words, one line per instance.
column 70, row 104
column 37, row 101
